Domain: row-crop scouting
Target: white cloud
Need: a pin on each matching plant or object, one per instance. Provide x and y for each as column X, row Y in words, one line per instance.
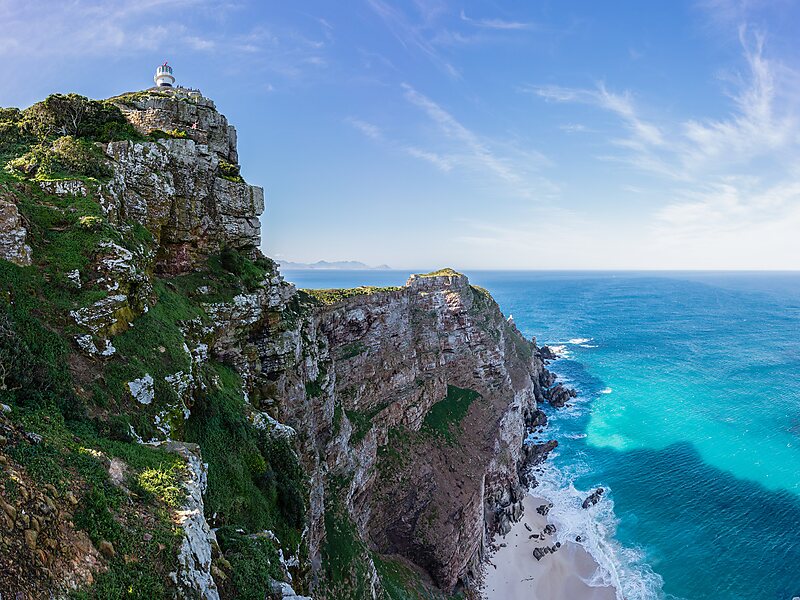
column 198, row 43
column 451, row 146
column 497, row 23
column 574, row 128
column 89, row 27
column 368, row 129
column 477, row 150
column 414, row 36
column 443, row 163
column 733, row 182
column 620, row 104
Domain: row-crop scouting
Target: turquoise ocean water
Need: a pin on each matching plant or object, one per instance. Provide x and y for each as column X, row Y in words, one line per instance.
column 688, row 414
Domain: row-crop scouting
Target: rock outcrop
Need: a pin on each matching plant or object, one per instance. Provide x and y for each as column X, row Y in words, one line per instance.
column 407, row 407
column 559, row 395
column 193, row 578
column 13, row 235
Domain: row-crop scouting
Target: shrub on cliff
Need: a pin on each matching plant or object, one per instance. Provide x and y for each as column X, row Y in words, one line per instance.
column 230, row 171
column 251, row 274
column 71, row 114
column 68, row 156
column 11, row 133
column 159, row 134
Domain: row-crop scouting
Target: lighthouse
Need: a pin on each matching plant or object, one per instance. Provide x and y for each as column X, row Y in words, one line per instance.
column 163, row 76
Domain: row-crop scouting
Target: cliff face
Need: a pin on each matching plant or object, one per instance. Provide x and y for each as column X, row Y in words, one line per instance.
column 363, row 440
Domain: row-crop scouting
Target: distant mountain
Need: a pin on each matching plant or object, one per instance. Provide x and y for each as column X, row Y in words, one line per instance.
column 334, row 265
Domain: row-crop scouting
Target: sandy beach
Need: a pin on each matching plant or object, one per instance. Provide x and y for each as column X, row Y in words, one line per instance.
column 512, row 573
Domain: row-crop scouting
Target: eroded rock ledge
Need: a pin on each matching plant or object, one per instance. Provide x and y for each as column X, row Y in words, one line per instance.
column 407, row 407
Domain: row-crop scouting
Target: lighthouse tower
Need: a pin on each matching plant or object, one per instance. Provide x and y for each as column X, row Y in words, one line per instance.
column 163, row 76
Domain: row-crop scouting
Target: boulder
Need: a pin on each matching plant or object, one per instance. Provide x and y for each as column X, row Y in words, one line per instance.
column 593, row 498
column 559, row 395
column 547, row 353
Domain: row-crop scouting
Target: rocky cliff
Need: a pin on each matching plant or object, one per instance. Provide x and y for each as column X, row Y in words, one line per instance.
column 179, row 421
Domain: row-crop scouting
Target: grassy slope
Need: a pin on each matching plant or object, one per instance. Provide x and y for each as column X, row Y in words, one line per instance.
column 82, row 407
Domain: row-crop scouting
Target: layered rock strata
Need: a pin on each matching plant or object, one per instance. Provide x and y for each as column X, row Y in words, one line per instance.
column 408, row 406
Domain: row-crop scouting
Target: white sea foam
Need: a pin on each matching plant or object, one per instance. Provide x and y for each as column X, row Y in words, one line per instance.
column 579, row 341
column 622, row 567
column 619, row 566
column 587, row 345
column 560, row 351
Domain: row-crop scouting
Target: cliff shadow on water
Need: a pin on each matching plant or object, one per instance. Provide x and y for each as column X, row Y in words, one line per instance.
column 674, row 490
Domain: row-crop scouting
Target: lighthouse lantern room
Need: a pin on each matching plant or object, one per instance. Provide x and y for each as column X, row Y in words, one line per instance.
column 163, row 76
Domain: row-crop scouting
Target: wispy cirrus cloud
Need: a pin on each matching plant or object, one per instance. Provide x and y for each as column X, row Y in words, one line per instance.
column 441, row 162
column 477, row 149
column 434, row 30
column 619, row 103
column 498, row 24
column 455, row 147
column 762, row 119
column 93, row 28
column 89, row 27
column 414, row 36
column 730, row 174
column 368, row 129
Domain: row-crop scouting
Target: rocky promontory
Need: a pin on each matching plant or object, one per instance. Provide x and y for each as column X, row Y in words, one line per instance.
column 179, row 421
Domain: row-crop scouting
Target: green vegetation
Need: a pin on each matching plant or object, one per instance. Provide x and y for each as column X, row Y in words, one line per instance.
column 336, row 425
column 55, row 138
column 82, row 407
column 447, row 272
column 344, row 555
column 70, row 457
column 259, row 486
column 345, row 558
column 230, row 171
column 132, row 98
column 351, row 350
column 254, row 563
column 67, row 157
column 153, row 346
column 314, row 388
column 158, row 134
column 443, row 422
column 362, row 422
column 332, row 296
column 401, row 582
column 444, row 418
column 163, row 482
column 34, row 357
column 73, row 115
column 224, row 276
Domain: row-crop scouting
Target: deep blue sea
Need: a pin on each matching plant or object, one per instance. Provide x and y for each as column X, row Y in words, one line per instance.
column 688, row 415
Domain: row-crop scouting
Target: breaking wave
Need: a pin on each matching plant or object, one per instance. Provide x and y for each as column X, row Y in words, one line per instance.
column 621, row 567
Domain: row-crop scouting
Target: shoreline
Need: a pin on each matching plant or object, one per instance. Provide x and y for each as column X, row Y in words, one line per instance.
column 511, row 572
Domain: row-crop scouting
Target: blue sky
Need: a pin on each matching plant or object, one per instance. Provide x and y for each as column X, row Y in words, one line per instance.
column 495, row 134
